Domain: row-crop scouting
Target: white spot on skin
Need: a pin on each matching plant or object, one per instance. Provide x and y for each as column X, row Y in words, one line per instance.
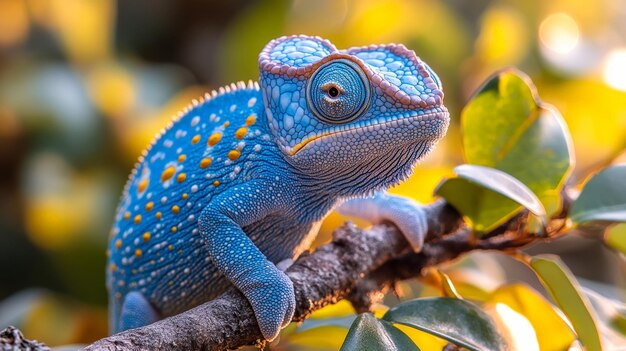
column 257, row 148
column 251, row 102
column 195, row 121
column 232, row 108
column 194, row 188
column 180, row 133
column 163, row 200
column 168, row 143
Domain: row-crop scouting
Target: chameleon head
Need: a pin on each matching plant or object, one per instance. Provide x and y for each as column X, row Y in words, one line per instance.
column 332, row 110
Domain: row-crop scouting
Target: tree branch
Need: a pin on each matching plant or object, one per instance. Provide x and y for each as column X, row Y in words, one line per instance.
column 357, row 265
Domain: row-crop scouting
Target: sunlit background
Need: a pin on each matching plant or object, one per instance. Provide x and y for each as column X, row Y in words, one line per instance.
column 85, row 85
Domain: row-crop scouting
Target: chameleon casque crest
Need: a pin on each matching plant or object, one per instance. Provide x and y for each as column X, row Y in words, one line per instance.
column 242, row 178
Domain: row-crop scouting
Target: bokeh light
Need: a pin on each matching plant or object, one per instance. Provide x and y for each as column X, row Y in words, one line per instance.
column 615, row 69
column 559, row 32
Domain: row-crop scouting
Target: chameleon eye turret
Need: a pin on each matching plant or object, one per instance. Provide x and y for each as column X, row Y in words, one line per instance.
column 338, row 92
column 242, row 178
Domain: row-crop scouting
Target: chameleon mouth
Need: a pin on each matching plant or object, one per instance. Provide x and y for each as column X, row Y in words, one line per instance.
column 436, row 120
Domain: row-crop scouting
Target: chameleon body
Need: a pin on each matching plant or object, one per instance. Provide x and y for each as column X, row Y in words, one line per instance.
column 241, row 180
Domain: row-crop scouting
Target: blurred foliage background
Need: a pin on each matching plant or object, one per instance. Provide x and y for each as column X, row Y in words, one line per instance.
column 85, row 85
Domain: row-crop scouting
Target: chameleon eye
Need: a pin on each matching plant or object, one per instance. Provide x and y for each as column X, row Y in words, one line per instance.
column 338, row 92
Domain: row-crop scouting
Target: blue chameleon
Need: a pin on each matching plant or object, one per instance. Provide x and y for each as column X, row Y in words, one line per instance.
column 241, row 180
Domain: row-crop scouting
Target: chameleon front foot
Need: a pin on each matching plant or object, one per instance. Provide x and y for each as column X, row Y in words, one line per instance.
column 272, row 298
column 407, row 214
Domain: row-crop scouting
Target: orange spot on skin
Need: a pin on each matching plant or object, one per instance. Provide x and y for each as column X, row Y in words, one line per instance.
column 233, row 155
column 134, row 271
column 214, row 139
column 216, row 183
column 175, row 209
column 180, row 251
column 170, row 247
column 113, row 267
column 195, row 139
column 241, row 132
column 118, row 244
column 149, row 206
column 250, row 120
column 127, row 215
column 206, row 162
column 142, row 185
column 168, row 173
column 226, row 124
column 138, row 252
column 158, row 215
column 181, row 177
column 170, row 283
column 137, row 219
column 182, row 158
column 185, row 196
column 146, row 237
column 174, row 229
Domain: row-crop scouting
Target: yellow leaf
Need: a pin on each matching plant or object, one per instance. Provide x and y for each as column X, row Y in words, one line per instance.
column 553, row 333
column 340, row 309
column 424, row 340
column 321, row 338
column 514, row 327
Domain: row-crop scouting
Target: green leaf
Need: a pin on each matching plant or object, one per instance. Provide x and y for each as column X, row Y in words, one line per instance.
column 502, row 183
column 506, row 127
column 371, row 334
column 603, row 198
column 458, row 321
column 562, row 285
column 468, row 199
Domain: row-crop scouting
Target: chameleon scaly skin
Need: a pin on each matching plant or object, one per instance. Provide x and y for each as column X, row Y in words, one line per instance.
column 242, row 179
